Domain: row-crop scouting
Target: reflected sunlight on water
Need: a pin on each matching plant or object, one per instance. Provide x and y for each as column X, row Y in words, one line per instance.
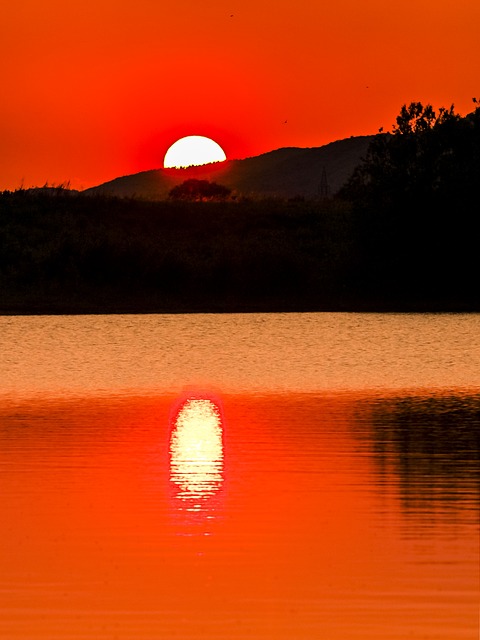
column 325, row 486
column 347, row 517
column 196, row 451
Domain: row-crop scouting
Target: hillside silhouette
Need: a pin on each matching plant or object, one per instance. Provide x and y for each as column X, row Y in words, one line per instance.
column 285, row 173
column 401, row 234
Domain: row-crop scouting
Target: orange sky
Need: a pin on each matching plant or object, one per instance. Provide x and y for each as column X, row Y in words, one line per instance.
column 96, row 89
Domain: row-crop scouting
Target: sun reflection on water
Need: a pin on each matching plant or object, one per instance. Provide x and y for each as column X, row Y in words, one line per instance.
column 196, row 452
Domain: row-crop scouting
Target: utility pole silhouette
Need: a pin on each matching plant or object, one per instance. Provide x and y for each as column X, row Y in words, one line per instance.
column 324, row 190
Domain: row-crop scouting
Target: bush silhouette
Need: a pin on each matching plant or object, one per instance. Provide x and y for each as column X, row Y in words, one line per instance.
column 199, row 190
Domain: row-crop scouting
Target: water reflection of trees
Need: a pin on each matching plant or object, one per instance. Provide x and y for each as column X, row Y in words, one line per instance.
column 432, row 445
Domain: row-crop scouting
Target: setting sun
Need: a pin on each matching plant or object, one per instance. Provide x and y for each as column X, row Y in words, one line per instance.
column 193, row 151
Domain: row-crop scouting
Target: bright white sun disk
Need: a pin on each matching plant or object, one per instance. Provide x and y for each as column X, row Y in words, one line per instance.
column 193, row 150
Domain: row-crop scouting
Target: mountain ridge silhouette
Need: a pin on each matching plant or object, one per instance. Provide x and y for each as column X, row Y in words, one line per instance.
column 287, row 172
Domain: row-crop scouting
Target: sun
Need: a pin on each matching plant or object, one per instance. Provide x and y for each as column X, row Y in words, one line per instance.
column 193, row 151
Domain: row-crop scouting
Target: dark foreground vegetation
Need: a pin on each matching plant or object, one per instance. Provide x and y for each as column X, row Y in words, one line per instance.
column 402, row 235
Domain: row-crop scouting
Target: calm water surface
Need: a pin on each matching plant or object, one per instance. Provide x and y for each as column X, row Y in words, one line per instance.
column 310, row 476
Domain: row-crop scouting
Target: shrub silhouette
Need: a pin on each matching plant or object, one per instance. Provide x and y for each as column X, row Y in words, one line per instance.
column 199, row 190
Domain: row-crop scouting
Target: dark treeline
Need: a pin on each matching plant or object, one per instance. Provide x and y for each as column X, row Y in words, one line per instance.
column 71, row 252
column 416, row 197
column 402, row 235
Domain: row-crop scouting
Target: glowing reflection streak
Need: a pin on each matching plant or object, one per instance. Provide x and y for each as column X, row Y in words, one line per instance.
column 196, row 451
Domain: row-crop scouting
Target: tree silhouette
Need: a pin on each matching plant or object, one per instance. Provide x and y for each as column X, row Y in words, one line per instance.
column 199, row 191
column 426, row 154
column 415, row 198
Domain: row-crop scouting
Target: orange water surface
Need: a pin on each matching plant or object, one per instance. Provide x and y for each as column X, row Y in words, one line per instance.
column 260, row 477
column 301, row 520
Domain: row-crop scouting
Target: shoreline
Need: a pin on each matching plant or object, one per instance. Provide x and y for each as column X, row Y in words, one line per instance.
column 231, row 307
column 74, row 255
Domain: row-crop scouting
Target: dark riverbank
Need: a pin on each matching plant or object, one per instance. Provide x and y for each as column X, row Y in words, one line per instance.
column 400, row 235
column 111, row 307
column 64, row 253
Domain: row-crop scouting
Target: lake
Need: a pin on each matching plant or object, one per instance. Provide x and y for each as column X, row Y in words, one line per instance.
column 246, row 476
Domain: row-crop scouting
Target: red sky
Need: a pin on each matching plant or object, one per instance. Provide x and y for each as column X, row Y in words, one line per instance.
column 96, row 89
